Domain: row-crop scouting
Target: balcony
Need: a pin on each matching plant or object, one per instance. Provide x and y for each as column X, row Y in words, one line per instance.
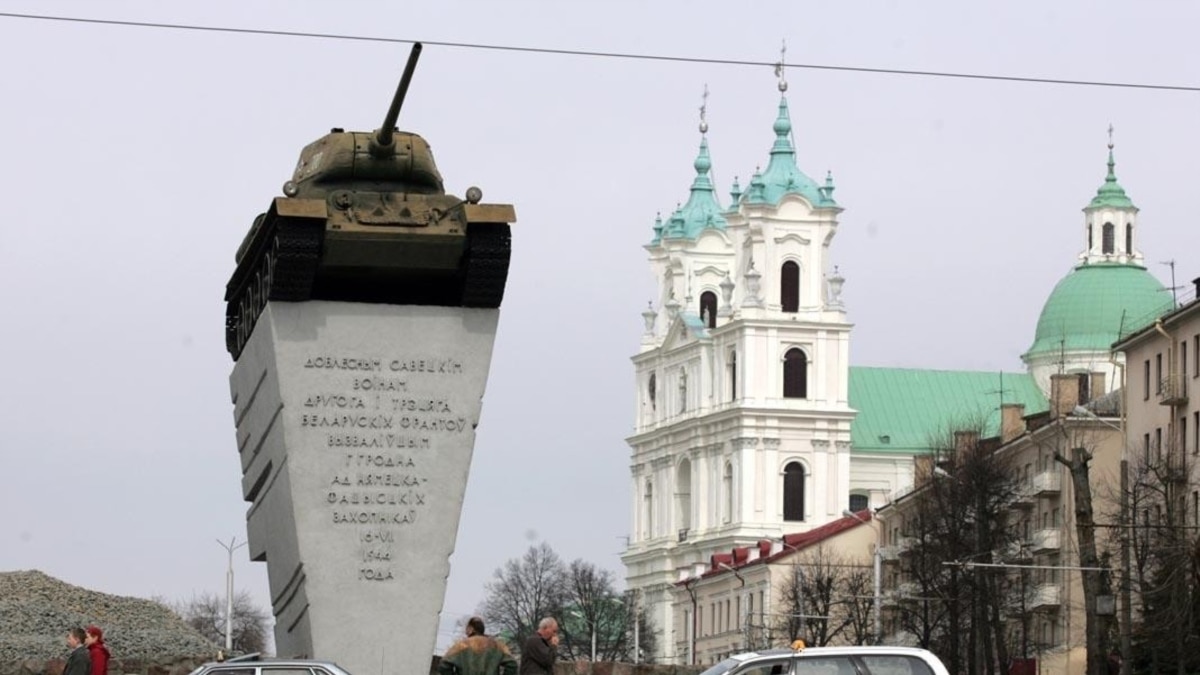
column 1046, row 483
column 1172, row 391
column 1016, row 551
column 904, row 592
column 1045, row 596
column 1024, row 496
column 1045, row 540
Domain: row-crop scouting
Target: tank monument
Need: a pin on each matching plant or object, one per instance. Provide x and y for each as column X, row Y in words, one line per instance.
column 361, row 317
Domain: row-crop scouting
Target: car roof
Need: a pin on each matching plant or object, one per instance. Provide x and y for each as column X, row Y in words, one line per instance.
column 861, row 650
column 298, row 663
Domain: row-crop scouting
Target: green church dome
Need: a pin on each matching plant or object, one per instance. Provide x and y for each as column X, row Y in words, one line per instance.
column 1094, row 305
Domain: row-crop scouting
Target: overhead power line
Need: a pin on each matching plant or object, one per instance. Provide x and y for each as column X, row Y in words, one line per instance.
column 603, row 54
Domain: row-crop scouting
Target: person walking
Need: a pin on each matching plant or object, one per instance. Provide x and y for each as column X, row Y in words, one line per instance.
column 79, row 662
column 541, row 649
column 97, row 650
column 478, row 654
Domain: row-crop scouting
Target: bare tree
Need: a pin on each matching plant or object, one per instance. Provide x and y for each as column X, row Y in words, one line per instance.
column 206, row 613
column 818, row 603
column 960, row 516
column 581, row 596
column 523, row 591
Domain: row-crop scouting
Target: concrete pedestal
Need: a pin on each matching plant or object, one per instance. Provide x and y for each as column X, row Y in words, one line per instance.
column 355, row 426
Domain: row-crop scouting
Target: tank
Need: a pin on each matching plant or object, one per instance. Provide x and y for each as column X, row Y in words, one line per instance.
column 366, row 218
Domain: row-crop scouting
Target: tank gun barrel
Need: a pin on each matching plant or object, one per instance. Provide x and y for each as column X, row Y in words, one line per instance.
column 382, row 147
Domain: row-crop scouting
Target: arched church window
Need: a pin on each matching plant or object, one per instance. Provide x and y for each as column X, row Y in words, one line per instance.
column 793, row 492
column 1129, row 239
column 795, row 374
column 1108, row 237
column 727, row 493
column 652, row 391
column 648, row 511
column 789, row 286
column 1090, row 238
column 708, row 308
column 683, row 495
column 733, row 375
column 859, row 502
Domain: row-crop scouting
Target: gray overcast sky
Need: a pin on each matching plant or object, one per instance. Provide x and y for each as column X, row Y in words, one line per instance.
column 134, row 160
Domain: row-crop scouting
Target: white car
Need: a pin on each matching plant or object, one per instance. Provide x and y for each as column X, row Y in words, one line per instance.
column 832, row 661
column 252, row 665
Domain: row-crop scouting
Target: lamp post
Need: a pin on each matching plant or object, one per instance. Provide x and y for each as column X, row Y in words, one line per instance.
column 746, row 625
column 878, row 566
column 579, row 615
column 229, row 548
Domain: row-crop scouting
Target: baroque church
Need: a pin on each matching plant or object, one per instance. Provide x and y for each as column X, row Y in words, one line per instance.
column 750, row 421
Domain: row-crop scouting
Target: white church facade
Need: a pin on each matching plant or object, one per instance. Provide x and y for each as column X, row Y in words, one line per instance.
column 750, row 422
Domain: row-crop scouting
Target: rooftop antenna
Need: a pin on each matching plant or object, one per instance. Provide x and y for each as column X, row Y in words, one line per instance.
column 1174, row 289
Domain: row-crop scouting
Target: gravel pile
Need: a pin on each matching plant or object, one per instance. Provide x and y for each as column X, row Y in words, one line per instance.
column 36, row 610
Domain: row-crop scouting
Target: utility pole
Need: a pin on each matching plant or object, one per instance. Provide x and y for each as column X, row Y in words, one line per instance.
column 229, row 548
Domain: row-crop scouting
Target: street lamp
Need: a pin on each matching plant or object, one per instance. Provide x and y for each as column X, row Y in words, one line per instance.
column 1126, row 627
column 878, row 556
column 230, row 548
column 579, row 615
column 746, row 624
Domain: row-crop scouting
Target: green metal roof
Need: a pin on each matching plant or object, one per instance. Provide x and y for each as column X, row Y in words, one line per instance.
column 1111, row 194
column 902, row 410
column 782, row 176
column 701, row 211
column 1095, row 304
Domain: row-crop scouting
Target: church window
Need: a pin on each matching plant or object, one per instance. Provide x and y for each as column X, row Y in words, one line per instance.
column 708, row 308
column 1090, row 244
column 1129, row 239
column 1107, row 238
column 733, row 375
column 648, row 511
column 793, row 492
column 727, row 493
column 652, row 390
column 683, row 497
column 859, row 502
column 795, row 374
column 789, row 286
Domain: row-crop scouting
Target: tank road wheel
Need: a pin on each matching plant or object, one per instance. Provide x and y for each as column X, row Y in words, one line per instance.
column 296, row 252
column 231, row 330
column 489, row 247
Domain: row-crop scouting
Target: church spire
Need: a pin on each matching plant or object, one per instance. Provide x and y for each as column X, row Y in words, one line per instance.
column 1111, row 221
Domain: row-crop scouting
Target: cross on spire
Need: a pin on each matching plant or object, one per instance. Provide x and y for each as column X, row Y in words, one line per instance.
column 780, row 65
column 704, row 110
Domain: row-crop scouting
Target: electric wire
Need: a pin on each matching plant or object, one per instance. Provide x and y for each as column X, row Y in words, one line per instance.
column 604, row 54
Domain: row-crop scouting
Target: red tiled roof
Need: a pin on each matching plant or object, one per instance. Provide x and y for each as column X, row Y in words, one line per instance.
column 792, row 543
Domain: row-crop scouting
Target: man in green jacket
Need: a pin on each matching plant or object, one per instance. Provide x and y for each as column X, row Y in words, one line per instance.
column 478, row 654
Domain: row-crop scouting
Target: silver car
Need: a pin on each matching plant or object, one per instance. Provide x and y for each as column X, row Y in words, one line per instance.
column 832, row 661
column 263, row 666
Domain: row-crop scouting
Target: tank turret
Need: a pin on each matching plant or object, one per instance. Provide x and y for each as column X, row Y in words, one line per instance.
column 365, row 218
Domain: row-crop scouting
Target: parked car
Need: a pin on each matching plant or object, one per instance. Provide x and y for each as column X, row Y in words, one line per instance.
column 254, row 665
column 832, row 661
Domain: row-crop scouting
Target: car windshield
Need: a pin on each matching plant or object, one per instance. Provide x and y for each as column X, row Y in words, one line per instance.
column 722, row 667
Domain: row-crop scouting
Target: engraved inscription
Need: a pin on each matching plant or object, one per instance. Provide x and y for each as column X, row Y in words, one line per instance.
column 380, row 419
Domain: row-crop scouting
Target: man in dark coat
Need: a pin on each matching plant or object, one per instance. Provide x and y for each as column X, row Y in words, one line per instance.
column 79, row 662
column 478, row 654
column 541, row 649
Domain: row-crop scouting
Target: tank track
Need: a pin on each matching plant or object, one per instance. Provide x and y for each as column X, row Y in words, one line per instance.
column 489, row 248
column 285, row 271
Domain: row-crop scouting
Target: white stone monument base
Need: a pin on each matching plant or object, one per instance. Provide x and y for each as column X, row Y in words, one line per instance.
column 355, row 425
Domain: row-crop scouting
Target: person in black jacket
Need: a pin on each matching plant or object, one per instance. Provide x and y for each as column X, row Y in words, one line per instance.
column 541, row 649
column 79, row 662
